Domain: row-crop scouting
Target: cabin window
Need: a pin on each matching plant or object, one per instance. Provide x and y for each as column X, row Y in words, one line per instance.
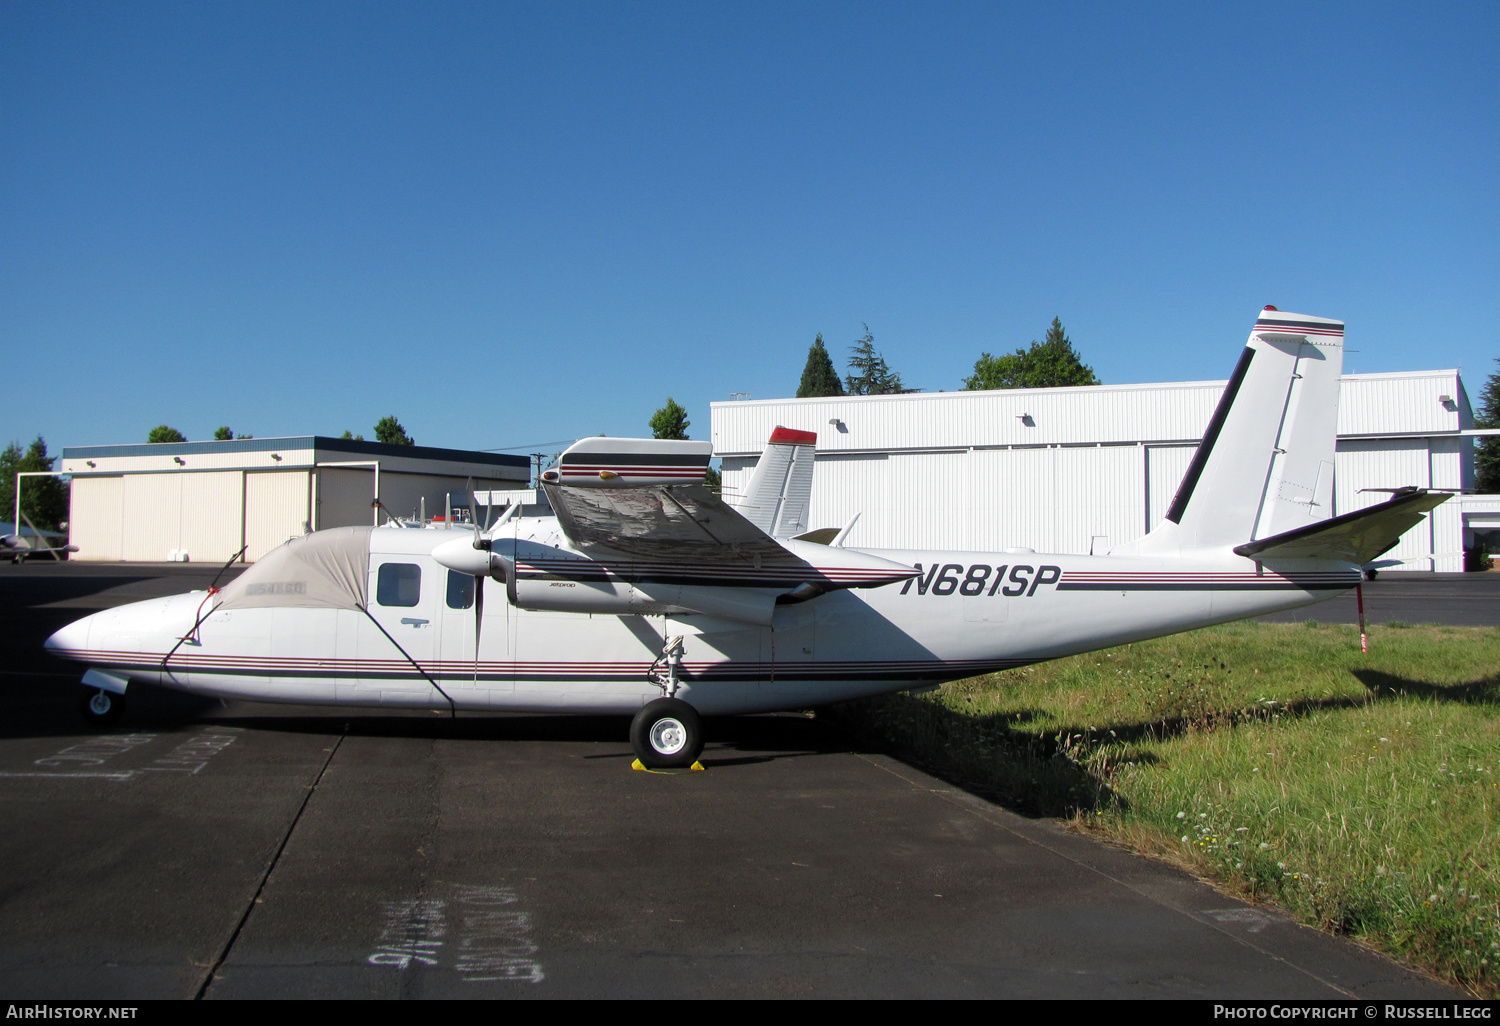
column 399, row 584
column 460, row 590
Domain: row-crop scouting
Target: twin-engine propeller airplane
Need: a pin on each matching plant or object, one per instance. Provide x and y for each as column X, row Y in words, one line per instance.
column 629, row 587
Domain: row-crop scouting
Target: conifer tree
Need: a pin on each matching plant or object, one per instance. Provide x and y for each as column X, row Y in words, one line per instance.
column 43, row 499
column 874, row 377
column 818, row 376
column 1487, row 450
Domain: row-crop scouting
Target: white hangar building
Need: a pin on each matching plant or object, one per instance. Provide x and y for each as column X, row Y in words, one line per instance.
column 1088, row 468
column 204, row 501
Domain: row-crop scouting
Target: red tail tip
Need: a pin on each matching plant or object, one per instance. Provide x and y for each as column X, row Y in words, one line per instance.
column 790, row 437
column 1269, row 307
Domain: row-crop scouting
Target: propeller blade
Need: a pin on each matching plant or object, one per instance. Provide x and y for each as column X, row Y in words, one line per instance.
column 474, row 514
column 478, row 620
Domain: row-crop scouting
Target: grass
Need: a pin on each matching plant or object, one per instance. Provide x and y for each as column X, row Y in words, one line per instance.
column 1357, row 792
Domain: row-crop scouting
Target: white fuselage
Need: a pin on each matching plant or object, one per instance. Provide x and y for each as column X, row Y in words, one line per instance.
column 968, row 613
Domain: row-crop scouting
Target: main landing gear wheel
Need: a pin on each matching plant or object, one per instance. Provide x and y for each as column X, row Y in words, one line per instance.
column 667, row 734
column 101, row 707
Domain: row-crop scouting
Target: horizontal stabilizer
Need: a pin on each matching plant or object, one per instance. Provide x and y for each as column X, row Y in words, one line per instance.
column 1356, row 537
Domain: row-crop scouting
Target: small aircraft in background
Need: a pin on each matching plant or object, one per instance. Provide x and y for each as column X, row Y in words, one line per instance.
column 627, row 586
column 16, row 546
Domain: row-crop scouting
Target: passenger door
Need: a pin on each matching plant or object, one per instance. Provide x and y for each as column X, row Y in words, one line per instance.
column 405, row 603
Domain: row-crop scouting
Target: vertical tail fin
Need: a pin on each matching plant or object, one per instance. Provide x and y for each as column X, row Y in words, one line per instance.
column 1265, row 465
column 780, row 489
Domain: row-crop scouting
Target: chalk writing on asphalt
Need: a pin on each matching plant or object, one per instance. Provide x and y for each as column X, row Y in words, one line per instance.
column 478, row 931
column 96, row 757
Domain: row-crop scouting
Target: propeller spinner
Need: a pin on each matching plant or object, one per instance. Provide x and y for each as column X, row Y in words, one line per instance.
column 473, row 557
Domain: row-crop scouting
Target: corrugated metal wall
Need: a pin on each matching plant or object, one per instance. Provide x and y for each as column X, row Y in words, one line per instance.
column 209, row 522
column 1109, row 483
column 402, row 494
column 1446, row 469
column 276, row 508
column 1369, row 404
column 96, row 517
column 146, row 517
column 1038, row 416
column 152, row 518
column 1375, row 404
column 344, row 497
column 1165, row 465
column 1384, row 463
column 151, row 514
column 1051, row 498
column 964, row 470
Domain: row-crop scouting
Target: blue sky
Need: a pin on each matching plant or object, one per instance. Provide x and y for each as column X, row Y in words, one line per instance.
column 512, row 224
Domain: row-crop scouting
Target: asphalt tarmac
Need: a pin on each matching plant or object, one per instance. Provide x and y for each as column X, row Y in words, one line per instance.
column 199, row 849
column 1454, row 600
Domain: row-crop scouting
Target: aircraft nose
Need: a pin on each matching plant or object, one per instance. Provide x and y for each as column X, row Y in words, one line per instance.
column 72, row 641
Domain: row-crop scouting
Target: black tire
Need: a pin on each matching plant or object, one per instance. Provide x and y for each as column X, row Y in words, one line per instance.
column 101, row 707
column 667, row 734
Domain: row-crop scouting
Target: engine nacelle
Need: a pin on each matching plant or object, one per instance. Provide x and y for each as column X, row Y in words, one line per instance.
column 560, row 595
column 613, row 597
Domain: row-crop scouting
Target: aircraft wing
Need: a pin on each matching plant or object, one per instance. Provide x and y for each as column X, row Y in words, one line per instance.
column 640, row 507
column 680, row 523
column 1356, row 537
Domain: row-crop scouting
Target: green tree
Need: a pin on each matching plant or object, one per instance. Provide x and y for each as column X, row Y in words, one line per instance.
column 818, row 376
column 351, row 438
column 390, row 431
column 874, row 377
column 43, row 499
column 162, row 433
column 1047, row 364
column 1487, row 450
column 670, row 421
column 223, row 434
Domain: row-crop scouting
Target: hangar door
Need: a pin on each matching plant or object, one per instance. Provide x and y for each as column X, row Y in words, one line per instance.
column 194, row 513
column 276, row 508
column 95, row 517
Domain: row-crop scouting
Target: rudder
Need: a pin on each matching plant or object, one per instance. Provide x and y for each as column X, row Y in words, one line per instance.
column 780, row 488
column 1265, row 465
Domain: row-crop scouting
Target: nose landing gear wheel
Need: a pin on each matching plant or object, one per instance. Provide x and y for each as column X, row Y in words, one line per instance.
column 101, row 707
column 667, row 734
